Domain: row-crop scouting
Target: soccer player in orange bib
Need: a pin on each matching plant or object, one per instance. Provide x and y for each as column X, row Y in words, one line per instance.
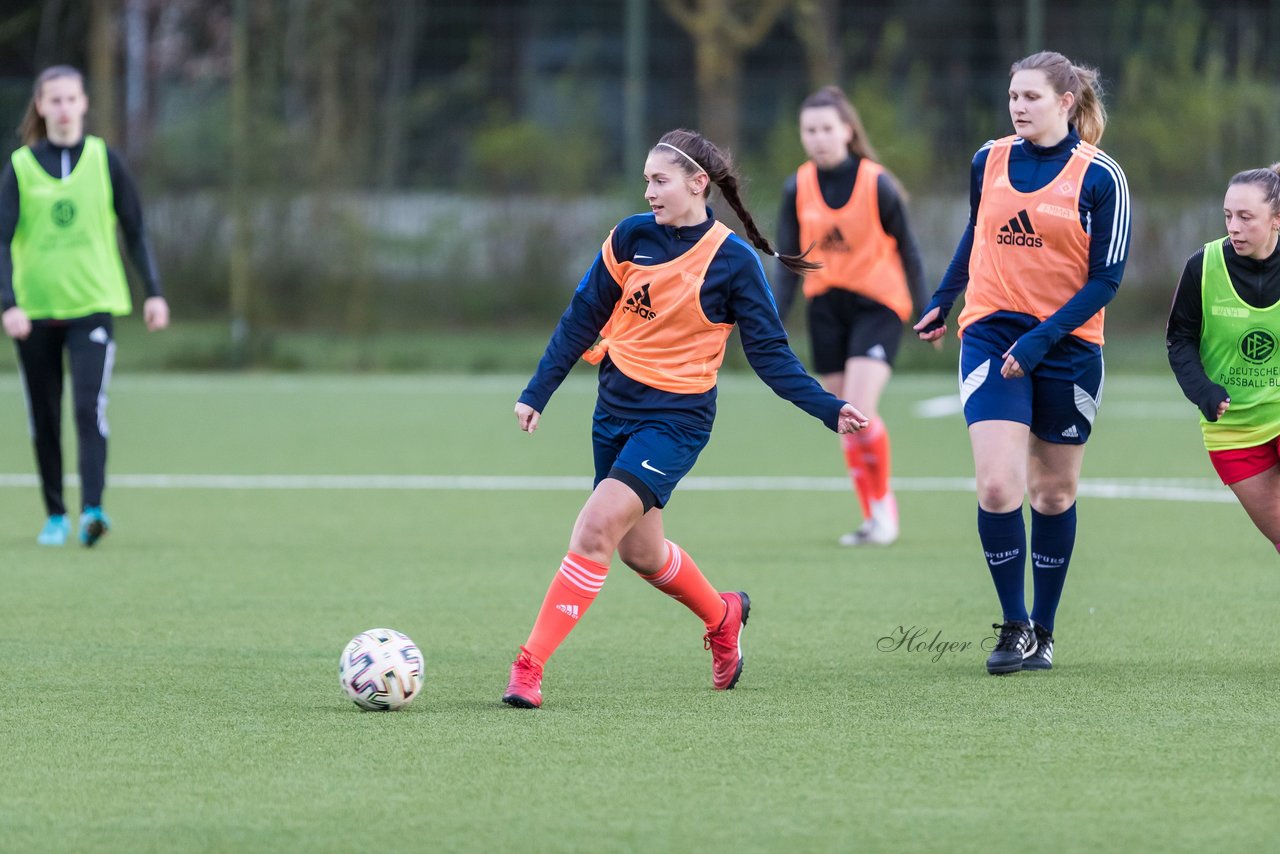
column 1224, row 328
column 850, row 209
column 1043, row 252
column 663, row 295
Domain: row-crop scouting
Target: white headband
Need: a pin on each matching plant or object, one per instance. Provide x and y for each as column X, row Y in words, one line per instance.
column 682, row 154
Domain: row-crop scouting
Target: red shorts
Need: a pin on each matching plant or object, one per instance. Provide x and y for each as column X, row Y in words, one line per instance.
column 1237, row 464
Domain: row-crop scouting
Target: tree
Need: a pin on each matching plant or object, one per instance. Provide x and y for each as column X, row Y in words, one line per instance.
column 395, row 98
column 104, row 47
column 817, row 27
column 722, row 31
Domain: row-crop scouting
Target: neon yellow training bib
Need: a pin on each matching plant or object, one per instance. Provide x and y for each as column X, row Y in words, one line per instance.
column 1240, row 352
column 66, row 261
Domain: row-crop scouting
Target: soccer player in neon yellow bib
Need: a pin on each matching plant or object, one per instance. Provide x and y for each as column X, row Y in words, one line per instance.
column 62, row 283
column 1223, row 332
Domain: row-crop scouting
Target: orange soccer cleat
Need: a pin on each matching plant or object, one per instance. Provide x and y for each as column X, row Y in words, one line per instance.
column 524, row 691
column 725, row 641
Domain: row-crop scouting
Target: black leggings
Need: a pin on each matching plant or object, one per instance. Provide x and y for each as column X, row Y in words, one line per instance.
column 89, row 343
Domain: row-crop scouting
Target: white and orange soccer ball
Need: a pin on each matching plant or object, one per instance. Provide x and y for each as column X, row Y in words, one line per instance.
column 381, row 670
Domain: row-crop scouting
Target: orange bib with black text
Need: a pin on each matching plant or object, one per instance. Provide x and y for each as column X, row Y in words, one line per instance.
column 658, row 334
column 851, row 244
column 1030, row 252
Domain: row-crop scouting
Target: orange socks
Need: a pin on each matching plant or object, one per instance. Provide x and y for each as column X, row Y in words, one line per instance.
column 681, row 579
column 866, row 454
column 857, row 471
column 579, row 580
column 572, row 591
column 875, row 457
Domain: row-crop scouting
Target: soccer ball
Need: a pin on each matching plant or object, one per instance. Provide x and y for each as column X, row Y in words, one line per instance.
column 381, row 670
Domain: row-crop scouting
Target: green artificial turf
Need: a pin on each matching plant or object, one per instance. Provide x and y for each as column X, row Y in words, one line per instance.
column 175, row 688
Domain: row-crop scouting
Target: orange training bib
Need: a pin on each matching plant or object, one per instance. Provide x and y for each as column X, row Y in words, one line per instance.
column 1030, row 253
column 658, row 334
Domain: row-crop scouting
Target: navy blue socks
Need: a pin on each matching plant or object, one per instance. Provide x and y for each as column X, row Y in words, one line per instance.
column 1004, row 541
column 1052, row 538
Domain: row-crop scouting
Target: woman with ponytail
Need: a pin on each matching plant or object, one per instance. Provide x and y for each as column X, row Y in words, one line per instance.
column 661, row 298
column 62, row 284
column 851, row 211
column 1043, row 252
column 1223, row 337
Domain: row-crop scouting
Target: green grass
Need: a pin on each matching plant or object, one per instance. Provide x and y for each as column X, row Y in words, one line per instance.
column 176, row 688
column 205, row 345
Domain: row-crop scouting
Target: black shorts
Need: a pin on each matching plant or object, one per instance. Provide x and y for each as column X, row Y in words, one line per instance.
column 844, row 325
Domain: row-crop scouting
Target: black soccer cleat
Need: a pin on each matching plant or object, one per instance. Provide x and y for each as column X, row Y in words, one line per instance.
column 1017, row 641
column 1042, row 657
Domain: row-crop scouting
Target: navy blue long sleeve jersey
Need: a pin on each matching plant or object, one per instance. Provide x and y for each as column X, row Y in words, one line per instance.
column 735, row 291
column 1104, row 215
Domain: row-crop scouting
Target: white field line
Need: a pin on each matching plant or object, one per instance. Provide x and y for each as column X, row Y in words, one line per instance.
column 1154, row 489
column 948, row 405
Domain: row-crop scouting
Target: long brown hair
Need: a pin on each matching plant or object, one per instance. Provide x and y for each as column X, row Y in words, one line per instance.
column 859, row 142
column 33, row 129
column 834, row 97
column 1088, row 114
column 700, row 153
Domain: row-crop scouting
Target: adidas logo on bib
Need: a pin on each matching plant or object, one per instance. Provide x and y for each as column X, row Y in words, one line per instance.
column 1019, row 232
column 640, row 303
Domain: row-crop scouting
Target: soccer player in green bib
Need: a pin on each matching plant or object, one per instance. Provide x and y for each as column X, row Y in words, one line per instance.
column 62, row 283
column 1223, row 332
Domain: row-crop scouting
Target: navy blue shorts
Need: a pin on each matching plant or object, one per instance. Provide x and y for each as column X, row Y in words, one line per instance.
column 650, row 456
column 1058, row 400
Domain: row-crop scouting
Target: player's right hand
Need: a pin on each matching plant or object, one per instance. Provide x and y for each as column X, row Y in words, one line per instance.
column 16, row 323
column 527, row 417
column 930, row 327
column 851, row 420
column 155, row 312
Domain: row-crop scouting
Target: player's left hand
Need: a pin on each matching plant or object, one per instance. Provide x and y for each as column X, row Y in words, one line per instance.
column 851, row 420
column 155, row 312
column 1010, row 369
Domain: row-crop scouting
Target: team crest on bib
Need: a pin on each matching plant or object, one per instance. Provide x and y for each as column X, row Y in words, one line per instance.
column 64, row 213
column 1257, row 346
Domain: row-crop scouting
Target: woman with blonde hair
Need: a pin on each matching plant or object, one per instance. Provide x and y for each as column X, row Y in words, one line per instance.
column 1043, row 251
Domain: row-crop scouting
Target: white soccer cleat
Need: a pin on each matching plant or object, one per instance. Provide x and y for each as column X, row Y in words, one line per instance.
column 880, row 530
column 871, row 533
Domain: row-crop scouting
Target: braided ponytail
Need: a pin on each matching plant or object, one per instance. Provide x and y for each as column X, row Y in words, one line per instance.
column 693, row 152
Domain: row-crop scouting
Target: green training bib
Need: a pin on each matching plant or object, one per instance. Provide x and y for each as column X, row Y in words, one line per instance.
column 66, row 261
column 1238, row 348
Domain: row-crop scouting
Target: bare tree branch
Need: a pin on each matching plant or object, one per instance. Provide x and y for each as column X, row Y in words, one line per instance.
column 682, row 11
column 751, row 33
